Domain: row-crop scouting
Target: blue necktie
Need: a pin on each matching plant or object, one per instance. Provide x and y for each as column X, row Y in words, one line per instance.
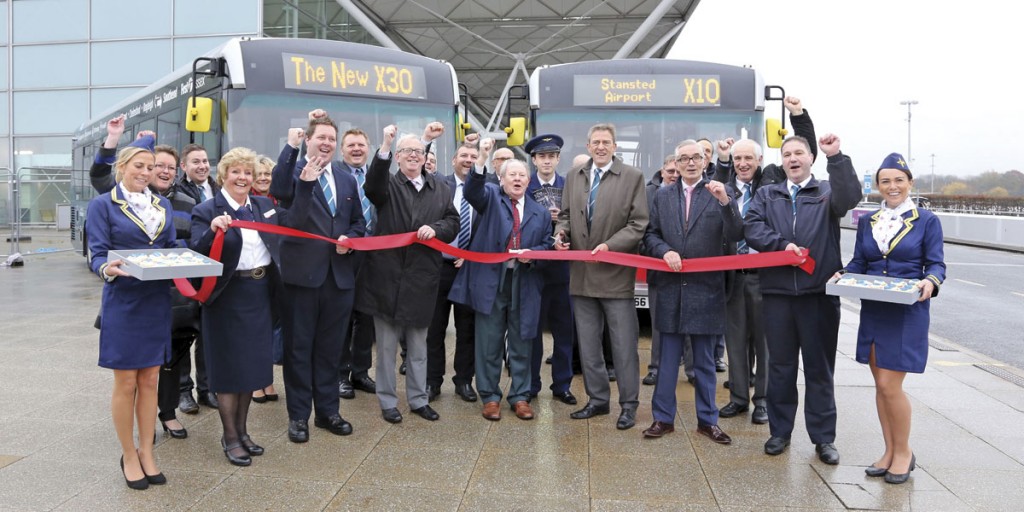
column 202, row 194
column 792, row 192
column 465, row 222
column 328, row 194
column 593, row 194
column 244, row 213
column 367, row 207
column 741, row 247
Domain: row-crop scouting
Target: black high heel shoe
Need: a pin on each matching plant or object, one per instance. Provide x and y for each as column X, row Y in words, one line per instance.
column 174, row 433
column 243, row 460
column 157, row 479
column 140, row 484
column 899, row 478
column 250, row 445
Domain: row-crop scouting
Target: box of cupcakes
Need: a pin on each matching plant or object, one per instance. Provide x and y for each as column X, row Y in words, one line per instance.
column 155, row 264
column 880, row 288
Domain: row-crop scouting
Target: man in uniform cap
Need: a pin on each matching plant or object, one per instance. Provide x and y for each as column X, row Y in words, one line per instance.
column 556, row 310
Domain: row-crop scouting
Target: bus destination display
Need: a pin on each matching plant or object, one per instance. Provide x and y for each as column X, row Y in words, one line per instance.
column 350, row 76
column 647, row 91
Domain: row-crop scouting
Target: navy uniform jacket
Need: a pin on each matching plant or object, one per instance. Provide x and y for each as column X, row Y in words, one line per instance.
column 554, row 272
column 691, row 302
column 304, row 262
column 770, row 225
column 476, row 285
column 202, row 236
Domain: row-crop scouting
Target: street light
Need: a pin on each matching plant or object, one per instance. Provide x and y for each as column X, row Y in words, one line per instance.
column 909, row 103
column 933, row 173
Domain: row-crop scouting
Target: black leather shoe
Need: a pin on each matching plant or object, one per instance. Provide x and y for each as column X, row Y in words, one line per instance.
column 179, row 433
column 650, row 379
column 465, row 392
column 427, row 413
column 391, row 415
column 140, row 484
column 157, row 479
column 298, row 431
column 726, row 384
column 691, row 380
column 250, row 445
column 658, row 429
column 719, row 366
column 345, row 389
column 335, row 424
column 589, row 411
column 611, row 375
column 627, row 419
column 714, row 433
column 776, row 445
column 365, row 384
column 760, row 416
column 432, row 393
column 732, row 409
column 566, row 397
column 238, row 460
column 899, row 478
column 547, row 360
column 209, row 399
column 403, row 367
column 187, row 404
column 260, row 399
column 827, row 453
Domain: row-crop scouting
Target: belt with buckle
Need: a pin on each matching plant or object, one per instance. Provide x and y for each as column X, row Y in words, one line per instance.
column 253, row 273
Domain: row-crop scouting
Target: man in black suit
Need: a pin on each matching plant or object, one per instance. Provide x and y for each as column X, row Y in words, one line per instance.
column 465, row 158
column 197, row 185
column 319, row 279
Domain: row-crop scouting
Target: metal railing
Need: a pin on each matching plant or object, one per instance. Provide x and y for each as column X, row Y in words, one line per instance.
column 41, row 190
column 8, row 220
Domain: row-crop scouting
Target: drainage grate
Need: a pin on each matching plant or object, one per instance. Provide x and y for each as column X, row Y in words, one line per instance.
column 1003, row 374
column 942, row 347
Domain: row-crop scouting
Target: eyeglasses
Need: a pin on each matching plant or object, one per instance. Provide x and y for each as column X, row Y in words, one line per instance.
column 162, row 166
column 412, row 151
column 692, row 158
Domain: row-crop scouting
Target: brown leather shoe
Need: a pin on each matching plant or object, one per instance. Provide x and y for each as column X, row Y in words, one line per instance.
column 523, row 410
column 658, row 429
column 492, row 411
column 714, row 433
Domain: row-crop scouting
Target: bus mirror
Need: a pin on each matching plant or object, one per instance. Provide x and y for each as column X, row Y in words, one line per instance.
column 516, row 132
column 200, row 114
column 774, row 133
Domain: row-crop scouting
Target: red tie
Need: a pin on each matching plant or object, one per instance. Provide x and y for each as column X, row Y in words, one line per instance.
column 516, row 239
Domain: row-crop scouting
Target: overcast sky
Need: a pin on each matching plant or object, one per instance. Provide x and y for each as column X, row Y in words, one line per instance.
column 851, row 63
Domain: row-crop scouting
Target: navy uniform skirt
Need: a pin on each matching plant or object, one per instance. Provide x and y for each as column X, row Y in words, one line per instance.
column 238, row 337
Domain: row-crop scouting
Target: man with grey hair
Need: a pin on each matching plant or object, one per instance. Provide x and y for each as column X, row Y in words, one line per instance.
column 604, row 208
column 393, row 280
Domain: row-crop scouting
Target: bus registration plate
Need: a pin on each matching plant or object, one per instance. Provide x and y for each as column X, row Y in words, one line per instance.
column 640, row 302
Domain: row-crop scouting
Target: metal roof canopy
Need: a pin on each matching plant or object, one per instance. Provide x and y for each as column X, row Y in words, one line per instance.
column 493, row 43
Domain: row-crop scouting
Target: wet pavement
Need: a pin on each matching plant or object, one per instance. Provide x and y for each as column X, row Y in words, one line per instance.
column 58, row 450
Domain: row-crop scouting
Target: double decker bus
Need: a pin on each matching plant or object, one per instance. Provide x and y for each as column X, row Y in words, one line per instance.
column 260, row 87
column 654, row 104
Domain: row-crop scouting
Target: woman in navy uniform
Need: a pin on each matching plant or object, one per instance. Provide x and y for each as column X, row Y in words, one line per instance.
column 899, row 240
column 237, row 320
column 135, row 328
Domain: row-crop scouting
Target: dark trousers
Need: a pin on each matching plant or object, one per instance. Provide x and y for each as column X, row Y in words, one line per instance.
column 464, row 319
column 807, row 327
column 492, row 332
column 556, row 314
column 186, row 370
column 744, row 335
column 312, row 352
column 357, row 350
column 663, row 403
column 168, row 388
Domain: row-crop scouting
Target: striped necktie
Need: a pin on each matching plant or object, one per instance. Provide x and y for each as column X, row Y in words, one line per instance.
column 793, row 191
column 367, row 207
column 741, row 247
column 593, row 195
column 328, row 194
column 465, row 222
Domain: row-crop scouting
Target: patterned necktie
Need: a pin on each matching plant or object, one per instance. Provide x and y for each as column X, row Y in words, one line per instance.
column 367, row 207
column 516, row 239
column 741, row 247
column 202, row 193
column 593, row 194
column 687, row 191
column 793, row 192
column 465, row 222
column 244, row 213
column 328, row 193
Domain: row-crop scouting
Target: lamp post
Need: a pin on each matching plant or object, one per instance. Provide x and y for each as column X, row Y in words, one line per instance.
column 909, row 104
column 933, row 174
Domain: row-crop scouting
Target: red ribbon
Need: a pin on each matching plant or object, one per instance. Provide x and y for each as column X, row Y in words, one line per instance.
column 378, row 243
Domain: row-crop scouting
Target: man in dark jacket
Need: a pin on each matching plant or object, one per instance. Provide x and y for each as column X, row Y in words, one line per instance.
column 665, row 177
column 393, row 283
column 802, row 215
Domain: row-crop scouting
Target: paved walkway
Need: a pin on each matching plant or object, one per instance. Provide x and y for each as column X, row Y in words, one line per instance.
column 58, row 450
